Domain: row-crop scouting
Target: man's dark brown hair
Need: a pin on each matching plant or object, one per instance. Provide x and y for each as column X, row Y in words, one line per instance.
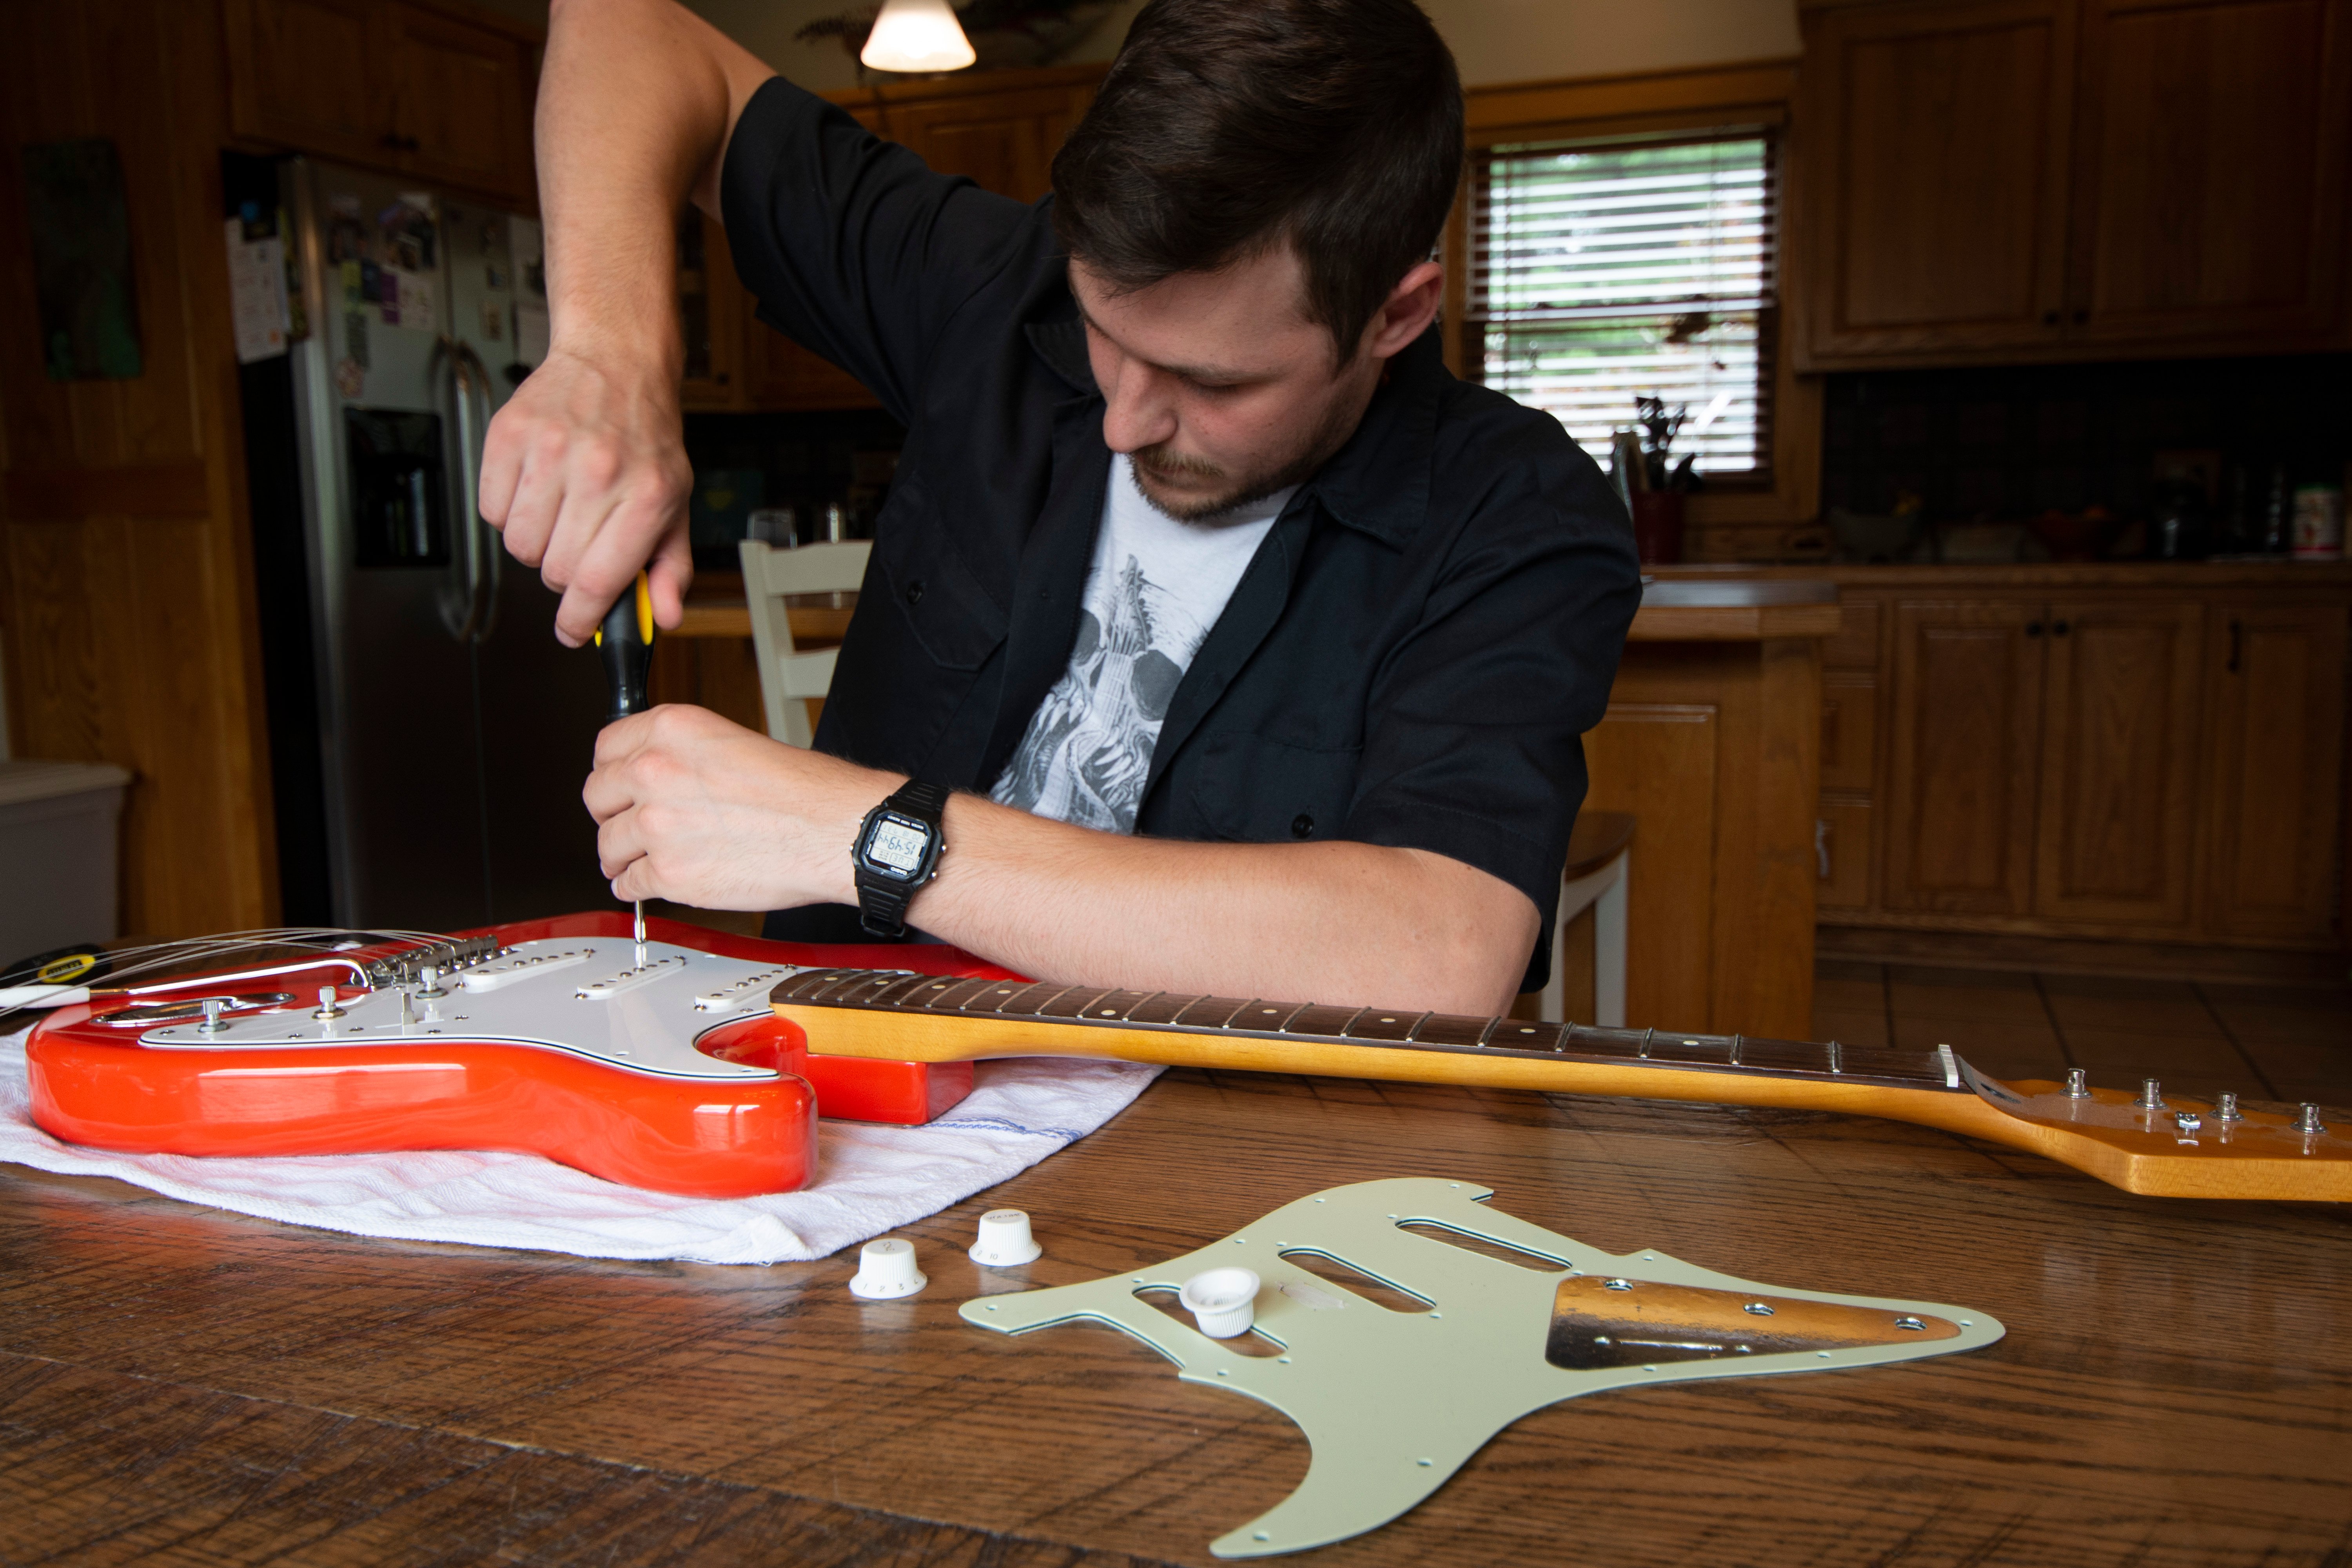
column 1226, row 127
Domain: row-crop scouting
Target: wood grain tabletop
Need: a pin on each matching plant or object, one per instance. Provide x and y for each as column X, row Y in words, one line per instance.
column 183, row 1385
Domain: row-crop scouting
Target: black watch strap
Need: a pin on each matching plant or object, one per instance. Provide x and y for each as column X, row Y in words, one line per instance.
column 882, row 900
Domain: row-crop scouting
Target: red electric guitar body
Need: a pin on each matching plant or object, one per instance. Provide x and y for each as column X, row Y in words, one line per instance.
column 546, row 1037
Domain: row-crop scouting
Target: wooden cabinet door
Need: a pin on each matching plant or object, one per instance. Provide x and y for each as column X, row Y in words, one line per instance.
column 713, row 309
column 1967, row 719
column 309, row 74
column 1004, row 142
column 2277, row 696
column 1931, row 162
column 2116, row 822
column 460, row 104
column 2209, row 192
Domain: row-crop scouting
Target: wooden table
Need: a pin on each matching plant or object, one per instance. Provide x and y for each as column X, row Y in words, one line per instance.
column 2176, row 1388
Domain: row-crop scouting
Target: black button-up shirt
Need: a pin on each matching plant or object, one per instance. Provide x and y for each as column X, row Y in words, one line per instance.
column 1409, row 659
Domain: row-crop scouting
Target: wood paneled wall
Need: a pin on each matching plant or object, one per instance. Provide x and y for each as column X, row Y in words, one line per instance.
column 125, row 579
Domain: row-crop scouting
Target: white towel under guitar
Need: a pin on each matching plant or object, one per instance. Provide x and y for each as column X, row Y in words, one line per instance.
column 870, row 1179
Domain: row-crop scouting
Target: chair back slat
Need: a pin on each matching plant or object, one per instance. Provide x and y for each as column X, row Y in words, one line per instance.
column 788, row 678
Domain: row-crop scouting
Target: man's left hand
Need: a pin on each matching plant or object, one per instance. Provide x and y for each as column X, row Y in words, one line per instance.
column 700, row 811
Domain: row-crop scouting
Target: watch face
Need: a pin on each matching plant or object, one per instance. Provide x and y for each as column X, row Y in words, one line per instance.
column 896, row 846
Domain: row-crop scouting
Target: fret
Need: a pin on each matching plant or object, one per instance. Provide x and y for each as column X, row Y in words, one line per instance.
column 1160, row 1008
column 1331, row 1022
column 1371, row 1024
column 898, row 991
column 1690, row 1050
column 1116, row 1004
column 1521, row 1036
column 1451, row 1029
column 809, row 984
column 1072, row 1003
column 1024, row 1002
column 1785, row 1056
column 948, row 996
column 1264, row 1017
column 1608, row 1045
column 1210, row 1013
column 999, row 995
column 862, row 990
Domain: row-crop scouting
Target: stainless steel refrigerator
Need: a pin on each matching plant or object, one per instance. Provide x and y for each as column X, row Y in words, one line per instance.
column 430, row 735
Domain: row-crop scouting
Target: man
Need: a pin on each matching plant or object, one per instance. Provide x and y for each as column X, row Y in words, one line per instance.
column 1256, row 647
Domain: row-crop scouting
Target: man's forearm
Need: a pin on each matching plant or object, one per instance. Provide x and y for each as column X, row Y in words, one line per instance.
column 1328, row 922
column 634, row 111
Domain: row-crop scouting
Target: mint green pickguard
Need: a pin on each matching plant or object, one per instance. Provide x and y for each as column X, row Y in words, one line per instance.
column 1394, row 1403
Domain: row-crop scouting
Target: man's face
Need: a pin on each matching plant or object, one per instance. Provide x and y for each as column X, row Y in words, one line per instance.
column 1217, row 384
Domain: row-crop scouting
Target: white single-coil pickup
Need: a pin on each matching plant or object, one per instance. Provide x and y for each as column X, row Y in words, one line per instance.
column 507, row 971
column 629, row 980
column 735, row 995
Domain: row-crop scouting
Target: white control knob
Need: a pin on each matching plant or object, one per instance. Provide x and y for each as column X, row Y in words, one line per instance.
column 1221, row 1301
column 1004, row 1240
column 886, row 1270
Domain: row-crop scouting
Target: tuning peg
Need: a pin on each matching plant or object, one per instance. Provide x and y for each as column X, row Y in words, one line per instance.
column 2306, row 1118
column 2078, row 1084
column 2225, row 1109
column 2149, row 1098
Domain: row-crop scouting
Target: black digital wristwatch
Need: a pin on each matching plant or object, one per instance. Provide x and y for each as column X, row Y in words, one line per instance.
column 898, row 850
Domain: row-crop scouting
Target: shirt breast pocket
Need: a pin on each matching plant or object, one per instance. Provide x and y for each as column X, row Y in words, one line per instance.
column 1251, row 789
column 952, row 617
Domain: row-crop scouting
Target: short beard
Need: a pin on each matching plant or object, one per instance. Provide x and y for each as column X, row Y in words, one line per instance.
column 1230, row 497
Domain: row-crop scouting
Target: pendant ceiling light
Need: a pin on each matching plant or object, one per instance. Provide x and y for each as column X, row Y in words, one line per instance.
column 916, row 35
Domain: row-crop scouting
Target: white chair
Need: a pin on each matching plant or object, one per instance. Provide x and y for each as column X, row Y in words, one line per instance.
column 1598, row 877
column 788, row 678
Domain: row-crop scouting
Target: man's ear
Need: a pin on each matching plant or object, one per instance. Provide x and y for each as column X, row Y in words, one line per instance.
column 1406, row 313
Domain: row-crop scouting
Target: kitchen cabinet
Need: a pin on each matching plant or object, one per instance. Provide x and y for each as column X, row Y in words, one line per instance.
column 2120, row 700
column 2275, row 680
column 1967, row 723
column 2138, row 766
column 1932, row 146
column 1985, row 181
column 439, row 93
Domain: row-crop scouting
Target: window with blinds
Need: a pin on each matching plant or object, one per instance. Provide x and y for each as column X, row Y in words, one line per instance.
column 1600, row 271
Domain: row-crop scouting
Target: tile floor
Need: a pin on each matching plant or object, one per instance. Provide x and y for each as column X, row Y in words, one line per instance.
column 2284, row 1043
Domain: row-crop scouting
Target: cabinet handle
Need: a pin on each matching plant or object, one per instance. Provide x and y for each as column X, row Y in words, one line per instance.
column 1821, row 845
column 2033, row 628
column 2060, row 628
column 2237, row 642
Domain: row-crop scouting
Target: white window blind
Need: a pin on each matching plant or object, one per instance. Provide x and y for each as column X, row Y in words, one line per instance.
column 1603, row 271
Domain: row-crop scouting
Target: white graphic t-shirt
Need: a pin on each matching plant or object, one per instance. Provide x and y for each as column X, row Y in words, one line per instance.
column 1156, row 587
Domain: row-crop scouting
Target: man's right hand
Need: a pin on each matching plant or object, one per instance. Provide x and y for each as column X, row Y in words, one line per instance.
column 586, row 468
column 584, row 471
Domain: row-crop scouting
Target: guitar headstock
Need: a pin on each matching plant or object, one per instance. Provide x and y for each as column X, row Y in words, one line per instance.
column 2174, row 1145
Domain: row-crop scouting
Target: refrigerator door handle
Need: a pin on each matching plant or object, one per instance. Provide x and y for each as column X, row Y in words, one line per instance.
column 468, row 600
column 483, row 543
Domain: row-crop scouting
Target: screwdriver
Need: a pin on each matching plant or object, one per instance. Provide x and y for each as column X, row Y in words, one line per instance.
column 626, row 642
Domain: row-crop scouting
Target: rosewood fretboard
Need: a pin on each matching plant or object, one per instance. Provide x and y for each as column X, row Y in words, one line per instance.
column 916, row 996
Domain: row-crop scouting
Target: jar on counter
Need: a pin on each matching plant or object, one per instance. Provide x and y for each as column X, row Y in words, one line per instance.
column 2318, row 522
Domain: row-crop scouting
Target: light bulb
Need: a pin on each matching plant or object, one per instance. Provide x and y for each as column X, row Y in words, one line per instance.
column 916, row 35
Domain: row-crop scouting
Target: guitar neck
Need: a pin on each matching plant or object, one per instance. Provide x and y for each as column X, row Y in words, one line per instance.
column 2170, row 1148
column 922, row 1018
